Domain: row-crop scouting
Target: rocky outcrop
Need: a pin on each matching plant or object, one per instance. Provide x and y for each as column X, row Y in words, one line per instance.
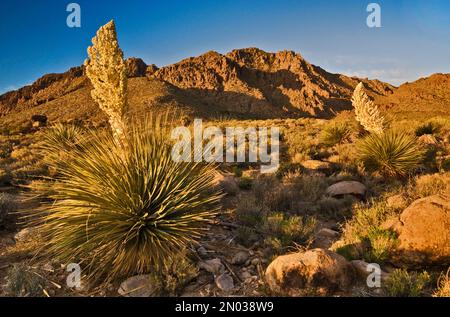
column 253, row 81
column 314, row 271
column 423, row 232
column 136, row 67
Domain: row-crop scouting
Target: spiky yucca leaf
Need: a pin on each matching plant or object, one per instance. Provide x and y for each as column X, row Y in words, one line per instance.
column 392, row 153
column 121, row 213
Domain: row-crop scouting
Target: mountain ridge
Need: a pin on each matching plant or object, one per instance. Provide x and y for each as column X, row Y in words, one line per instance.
column 245, row 82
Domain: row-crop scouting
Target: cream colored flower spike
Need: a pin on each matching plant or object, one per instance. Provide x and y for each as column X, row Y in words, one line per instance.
column 107, row 71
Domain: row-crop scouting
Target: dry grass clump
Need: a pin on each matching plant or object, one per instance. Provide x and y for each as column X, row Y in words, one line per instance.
column 443, row 289
column 428, row 185
column 402, row 283
column 22, row 281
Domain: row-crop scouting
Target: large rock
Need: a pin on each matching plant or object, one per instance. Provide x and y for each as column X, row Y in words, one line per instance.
column 137, row 286
column 316, row 270
column 344, row 188
column 423, row 232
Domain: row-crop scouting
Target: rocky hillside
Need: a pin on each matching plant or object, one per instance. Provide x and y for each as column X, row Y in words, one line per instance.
column 256, row 82
column 246, row 83
column 424, row 97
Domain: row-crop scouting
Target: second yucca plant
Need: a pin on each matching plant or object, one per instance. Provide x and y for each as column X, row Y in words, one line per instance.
column 391, row 153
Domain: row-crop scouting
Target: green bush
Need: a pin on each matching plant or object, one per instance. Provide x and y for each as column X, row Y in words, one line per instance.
column 381, row 244
column 392, row 153
column 287, row 230
column 126, row 211
column 401, row 283
column 335, row 133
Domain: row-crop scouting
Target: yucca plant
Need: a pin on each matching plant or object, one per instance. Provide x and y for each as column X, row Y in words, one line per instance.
column 392, row 153
column 121, row 212
column 66, row 135
column 335, row 133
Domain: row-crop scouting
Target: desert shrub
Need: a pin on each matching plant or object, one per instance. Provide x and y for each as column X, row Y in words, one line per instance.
column 428, row 185
column 245, row 183
column 391, row 153
column 237, row 171
column 175, row 273
column 443, row 287
column 136, row 205
column 249, row 212
column 445, row 165
column 229, row 186
column 246, row 236
column 273, row 194
column 366, row 218
column 7, row 205
column 381, row 243
column 401, row 283
column 335, row 133
column 310, row 187
column 427, row 128
column 286, row 168
column 336, row 208
column 23, row 282
column 285, row 230
column 5, row 177
column 5, row 149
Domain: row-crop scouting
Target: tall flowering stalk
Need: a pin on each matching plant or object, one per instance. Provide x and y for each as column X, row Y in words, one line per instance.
column 107, row 71
column 367, row 112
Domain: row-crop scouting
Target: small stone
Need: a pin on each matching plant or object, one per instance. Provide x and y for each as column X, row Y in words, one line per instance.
column 396, row 202
column 25, row 234
column 343, row 188
column 224, row 282
column 245, row 275
column 137, row 286
column 202, row 251
column 240, row 258
column 255, row 261
column 214, row 266
column 325, row 232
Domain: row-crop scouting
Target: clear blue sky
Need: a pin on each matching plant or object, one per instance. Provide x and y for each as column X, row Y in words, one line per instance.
column 414, row 39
